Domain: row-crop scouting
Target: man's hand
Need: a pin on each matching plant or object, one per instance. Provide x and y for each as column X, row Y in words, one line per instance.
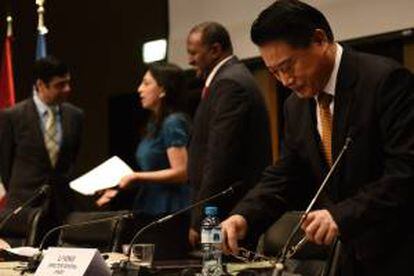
column 193, row 237
column 106, row 197
column 233, row 229
column 320, row 227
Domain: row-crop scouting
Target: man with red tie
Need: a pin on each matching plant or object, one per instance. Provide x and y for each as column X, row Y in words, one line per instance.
column 230, row 142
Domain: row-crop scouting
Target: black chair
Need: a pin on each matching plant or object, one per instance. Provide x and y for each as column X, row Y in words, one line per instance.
column 23, row 229
column 106, row 236
column 311, row 259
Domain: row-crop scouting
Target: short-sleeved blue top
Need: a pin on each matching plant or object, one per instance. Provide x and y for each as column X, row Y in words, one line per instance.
column 151, row 155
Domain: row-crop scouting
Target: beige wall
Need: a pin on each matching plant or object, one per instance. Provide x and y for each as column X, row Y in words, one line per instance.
column 350, row 19
column 409, row 55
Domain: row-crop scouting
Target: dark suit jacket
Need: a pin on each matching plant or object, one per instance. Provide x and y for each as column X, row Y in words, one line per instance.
column 231, row 140
column 371, row 194
column 24, row 160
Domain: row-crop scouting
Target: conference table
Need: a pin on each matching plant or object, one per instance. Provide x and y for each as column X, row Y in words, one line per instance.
column 166, row 267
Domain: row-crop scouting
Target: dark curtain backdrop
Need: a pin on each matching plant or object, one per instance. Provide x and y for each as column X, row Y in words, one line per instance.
column 101, row 41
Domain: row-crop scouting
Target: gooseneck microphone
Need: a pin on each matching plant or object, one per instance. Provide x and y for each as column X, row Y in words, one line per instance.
column 227, row 191
column 35, row 261
column 38, row 193
column 284, row 252
column 94, row 221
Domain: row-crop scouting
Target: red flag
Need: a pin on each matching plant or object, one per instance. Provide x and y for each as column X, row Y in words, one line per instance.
column 6, row 87
column 6, row 72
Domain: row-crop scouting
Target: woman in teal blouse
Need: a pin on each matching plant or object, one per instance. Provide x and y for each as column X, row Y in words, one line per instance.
column 161, row 155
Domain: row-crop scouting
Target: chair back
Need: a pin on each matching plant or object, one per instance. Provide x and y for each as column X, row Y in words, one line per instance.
column 23, row 229
column 102, row 235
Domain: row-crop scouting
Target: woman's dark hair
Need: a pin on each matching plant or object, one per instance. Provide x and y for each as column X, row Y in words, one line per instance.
column 291, row 21
column 170, row 77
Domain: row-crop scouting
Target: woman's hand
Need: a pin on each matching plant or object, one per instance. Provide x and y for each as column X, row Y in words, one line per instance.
column 4, row 244
column 126, row 180
column 106, row 197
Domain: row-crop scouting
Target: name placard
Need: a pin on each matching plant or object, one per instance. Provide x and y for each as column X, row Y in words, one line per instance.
column 72, row 262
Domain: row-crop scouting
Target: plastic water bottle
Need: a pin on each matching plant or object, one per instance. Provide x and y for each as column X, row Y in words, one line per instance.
column 211, row 243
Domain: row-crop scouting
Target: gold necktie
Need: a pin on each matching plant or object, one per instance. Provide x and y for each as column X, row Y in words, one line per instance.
column 324, row 100
column 50, row 136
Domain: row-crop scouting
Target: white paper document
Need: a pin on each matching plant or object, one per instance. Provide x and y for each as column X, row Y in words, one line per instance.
column 106, row 175
column 26, row 251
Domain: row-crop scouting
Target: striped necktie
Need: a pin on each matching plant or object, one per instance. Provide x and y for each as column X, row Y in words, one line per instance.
column 324, row 101
column 50, row 136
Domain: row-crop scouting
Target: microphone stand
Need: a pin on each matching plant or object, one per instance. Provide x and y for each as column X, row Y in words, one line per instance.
column 125, row 264
column 42, row 190
column 35, row 261
column 280, row 265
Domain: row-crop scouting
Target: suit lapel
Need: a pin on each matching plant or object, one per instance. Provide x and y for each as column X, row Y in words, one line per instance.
column 64, row 115
column 315, row 154
column 224, row 67
column 344, row 96
column 34, row 119
column 344, row 99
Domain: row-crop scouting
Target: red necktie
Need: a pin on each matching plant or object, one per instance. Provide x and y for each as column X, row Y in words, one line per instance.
column 204, row 93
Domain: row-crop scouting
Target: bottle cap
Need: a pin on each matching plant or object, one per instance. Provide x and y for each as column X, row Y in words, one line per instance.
column 210, row 210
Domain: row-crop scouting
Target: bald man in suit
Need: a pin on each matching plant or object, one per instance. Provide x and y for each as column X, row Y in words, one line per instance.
column 230, row 142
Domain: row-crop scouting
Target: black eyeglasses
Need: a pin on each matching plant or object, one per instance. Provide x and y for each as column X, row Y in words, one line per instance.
column 248, row 256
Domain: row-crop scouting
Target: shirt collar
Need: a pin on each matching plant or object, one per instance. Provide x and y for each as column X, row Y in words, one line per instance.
column 330, row 87
column 41, row 106
column 215, row 69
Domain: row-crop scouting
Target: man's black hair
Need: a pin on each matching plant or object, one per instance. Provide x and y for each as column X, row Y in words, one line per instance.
column 47, row 68
column 290, row 21
column 213, row 32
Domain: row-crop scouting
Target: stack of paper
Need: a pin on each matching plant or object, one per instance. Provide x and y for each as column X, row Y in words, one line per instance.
column 104, row 176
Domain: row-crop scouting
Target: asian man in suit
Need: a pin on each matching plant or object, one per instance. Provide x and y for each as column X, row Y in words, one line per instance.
column 338, row 94
column 39, row 140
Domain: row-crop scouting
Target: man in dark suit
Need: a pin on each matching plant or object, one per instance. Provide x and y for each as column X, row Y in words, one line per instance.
column 371, row 100
column 230, row 142
column 39, row 140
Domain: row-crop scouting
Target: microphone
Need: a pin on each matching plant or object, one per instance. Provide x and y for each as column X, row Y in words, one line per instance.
column 284, row 252
column 35, row 261
column 38, row 193
column 70, row 225
column 230, row 190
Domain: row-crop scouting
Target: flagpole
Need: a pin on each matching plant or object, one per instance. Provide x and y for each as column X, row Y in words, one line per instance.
column 7, row 93
column 41, row 31
column 7, row 97
column 9, row 26
column 40, row 15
